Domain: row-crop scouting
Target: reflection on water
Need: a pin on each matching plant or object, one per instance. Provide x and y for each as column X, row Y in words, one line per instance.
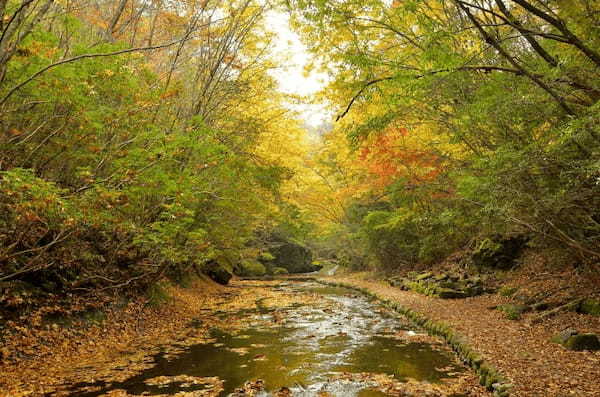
column 300, row 347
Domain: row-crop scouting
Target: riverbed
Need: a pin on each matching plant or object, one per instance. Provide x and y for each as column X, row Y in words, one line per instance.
column 327, row 341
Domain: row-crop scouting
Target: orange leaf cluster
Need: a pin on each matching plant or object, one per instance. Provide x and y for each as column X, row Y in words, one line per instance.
column 389, row 157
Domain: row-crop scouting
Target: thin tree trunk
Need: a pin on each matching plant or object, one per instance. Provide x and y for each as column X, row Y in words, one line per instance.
column 562, row 27
column 115, row 20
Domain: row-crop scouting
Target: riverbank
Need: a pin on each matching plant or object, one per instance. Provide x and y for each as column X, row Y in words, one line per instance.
column 519, row 350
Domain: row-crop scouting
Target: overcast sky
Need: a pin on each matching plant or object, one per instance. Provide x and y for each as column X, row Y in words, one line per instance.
column 291, row 76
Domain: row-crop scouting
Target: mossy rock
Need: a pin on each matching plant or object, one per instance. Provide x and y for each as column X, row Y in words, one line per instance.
column 280, row 270
column 424, row 276
column 449, row 284
column 589, row 306
column 291, row 255
column 512, row 311
column 251, row 269
column 441, row 287
column 447, row 293
column 441, row 277
column 582, row 342
column 473, row 290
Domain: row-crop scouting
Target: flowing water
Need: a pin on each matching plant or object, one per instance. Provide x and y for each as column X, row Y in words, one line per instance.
column 306, row 349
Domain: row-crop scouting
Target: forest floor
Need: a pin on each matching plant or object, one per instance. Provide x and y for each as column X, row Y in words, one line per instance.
column 522, row 351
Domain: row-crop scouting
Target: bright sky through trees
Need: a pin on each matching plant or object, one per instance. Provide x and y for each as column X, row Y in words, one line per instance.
column 291, row 74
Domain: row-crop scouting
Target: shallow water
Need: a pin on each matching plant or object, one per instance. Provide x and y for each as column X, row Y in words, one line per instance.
column 300, row 347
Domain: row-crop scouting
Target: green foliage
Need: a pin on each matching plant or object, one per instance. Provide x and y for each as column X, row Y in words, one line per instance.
column 408, row 236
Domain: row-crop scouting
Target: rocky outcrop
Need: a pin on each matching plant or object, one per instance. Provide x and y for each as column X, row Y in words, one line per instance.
column 445, row 286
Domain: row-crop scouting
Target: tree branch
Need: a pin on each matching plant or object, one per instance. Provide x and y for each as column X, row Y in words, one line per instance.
column 359, row 93
column 85, row 56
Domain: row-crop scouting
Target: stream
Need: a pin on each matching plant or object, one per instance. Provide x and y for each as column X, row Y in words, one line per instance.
column 341, row 344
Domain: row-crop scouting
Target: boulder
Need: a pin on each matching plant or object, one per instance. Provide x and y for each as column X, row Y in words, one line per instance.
column 217, row 272
column 290, row 255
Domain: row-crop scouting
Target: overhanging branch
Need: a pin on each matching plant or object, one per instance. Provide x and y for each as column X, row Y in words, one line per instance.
column 482, row 68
